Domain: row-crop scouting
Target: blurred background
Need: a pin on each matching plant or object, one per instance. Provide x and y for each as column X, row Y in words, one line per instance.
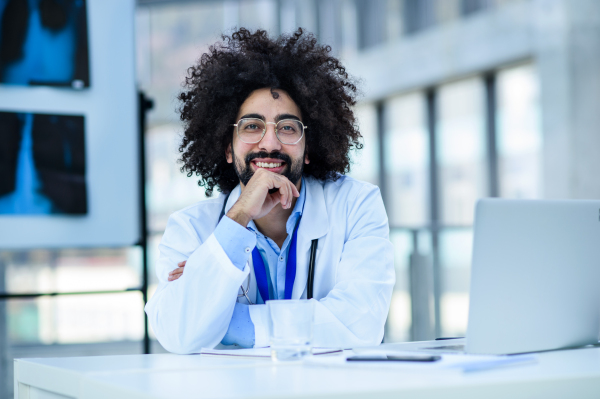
column 461, row 99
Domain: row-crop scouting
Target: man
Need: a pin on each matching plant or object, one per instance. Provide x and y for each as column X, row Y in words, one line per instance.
column 269, row 123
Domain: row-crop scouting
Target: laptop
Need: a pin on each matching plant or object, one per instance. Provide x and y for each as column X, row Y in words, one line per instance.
column 535, row 278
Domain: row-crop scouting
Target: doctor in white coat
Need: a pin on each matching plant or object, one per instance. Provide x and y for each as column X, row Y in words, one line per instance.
column 208, row 294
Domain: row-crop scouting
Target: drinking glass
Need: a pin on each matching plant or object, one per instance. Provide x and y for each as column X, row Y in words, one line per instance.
column 290, row 328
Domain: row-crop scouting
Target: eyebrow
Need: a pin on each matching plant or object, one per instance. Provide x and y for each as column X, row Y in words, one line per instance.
column 286, row 116
column 253, row 116
column 277, row 118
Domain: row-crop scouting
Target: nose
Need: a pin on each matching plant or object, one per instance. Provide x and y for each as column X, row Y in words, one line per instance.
column 269, row 141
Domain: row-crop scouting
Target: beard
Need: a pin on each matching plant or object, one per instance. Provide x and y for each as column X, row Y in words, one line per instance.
column 292, row 170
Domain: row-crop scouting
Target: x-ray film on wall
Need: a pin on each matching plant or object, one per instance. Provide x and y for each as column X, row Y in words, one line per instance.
column 42, row 164
column 44, row 42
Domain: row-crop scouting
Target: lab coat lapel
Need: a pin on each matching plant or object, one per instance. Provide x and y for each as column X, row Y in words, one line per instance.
column 314, row 224
column 233, row 197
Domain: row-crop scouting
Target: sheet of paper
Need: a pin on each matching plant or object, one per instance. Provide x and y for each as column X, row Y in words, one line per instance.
column 448, row 362
column 259, row 352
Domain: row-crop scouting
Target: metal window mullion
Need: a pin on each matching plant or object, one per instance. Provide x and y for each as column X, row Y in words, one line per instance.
column 144, row 105
column 317, row 25
column 380, row 131
column 491, row 133
column 434, row 208
column 30, row 295
column 380, row 122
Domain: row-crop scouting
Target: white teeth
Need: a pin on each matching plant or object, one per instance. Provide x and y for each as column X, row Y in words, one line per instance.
column 268, row 165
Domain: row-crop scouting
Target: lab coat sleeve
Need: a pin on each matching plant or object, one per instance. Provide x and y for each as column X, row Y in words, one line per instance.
column 354, row 312
column 194, row 311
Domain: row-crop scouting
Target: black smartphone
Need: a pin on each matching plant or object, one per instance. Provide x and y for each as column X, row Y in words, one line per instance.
column 394, row 358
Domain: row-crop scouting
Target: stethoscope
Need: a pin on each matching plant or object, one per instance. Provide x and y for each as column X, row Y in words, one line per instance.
column 245, row 291
column 311, row 264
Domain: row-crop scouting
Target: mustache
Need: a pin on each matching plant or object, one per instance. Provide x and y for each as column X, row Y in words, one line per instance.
column 263, row 154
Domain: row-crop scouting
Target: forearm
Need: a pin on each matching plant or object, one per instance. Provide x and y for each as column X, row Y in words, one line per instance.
column 237, row 241
column 195, row 310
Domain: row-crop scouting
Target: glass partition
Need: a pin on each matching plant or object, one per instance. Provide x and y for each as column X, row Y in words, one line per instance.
column 455, row 250
column 461, row 149
column 407, row 160
column 71, row 270
column 399, row 318
column 365, row 162
column 519, row 135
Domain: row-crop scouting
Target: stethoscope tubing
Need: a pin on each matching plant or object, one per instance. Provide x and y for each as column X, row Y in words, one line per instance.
column 245, row 291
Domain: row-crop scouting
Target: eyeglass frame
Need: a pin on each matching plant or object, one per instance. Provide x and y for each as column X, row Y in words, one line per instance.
column 237, row 132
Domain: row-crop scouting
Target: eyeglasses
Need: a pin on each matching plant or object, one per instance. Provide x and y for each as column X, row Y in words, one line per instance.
column 251, row 130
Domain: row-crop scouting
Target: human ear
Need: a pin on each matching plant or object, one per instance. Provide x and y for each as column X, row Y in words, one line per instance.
column 228, row 155
column 306, row 160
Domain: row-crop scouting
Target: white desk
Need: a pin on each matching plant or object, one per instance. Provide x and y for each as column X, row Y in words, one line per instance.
column 560, row 374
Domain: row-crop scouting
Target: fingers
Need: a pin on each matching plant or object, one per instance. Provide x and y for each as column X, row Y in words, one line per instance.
column 264, row 191
column 286, row 194
column 286, row 190
column 176, row 273
column 295, row 191
column 277, row 197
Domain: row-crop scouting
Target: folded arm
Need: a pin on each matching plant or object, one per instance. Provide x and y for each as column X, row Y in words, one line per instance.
column 195, row 310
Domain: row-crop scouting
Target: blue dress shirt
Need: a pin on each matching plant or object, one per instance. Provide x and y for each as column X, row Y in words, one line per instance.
column 238, row 242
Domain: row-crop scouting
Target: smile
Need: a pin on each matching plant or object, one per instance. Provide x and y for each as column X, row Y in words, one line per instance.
column 268, row 164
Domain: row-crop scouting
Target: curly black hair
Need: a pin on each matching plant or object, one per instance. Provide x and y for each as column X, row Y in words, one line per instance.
column 232, row 69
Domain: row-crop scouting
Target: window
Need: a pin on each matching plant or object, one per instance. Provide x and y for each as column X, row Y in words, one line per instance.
column 371, row 23
column 519, row 135
column 461, row 149
column 399, row 319
column 418, row 15
column 455, row 249
column 468, row 7
column 466, row 163
column 407, row 160
column 365, row 162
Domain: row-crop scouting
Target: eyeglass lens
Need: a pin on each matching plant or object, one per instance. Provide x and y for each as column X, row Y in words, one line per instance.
column 288, row 131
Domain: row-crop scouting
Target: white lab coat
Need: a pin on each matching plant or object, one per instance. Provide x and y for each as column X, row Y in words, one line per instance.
column 354, row 271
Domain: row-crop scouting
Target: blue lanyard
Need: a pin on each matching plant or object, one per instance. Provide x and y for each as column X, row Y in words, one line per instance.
column 290, row 269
